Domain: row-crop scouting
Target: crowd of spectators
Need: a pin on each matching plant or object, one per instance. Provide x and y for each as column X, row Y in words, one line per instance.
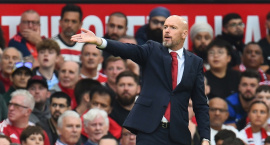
column 59, row 92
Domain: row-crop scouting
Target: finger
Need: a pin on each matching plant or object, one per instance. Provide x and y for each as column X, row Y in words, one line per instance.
column 76, row 36
column 84, row 30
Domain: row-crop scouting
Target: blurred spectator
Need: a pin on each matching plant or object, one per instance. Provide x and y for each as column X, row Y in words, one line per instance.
column 265, row 42
column 103, row 98
column 38, row 87
column 10, row 56
column 32, row 135
column 19, row 78
column 263, row 94
column 28, row 36
column 116, row 28
column 127, row 89
column 81, row 91
column 252, row 58
column 68, row 77
column 153, row 30
column 19, row 109
column 222, row 135
column 132, row 66
column 48, row 52
column 238, row 103
column 218, row 113
column 195, row 137
column 96, row 125
column 233, row 141
column 201, row 35
column 59, row 103
column 91, row 58
column 69, row 128
column 113, row 66
column 5, row 140
column 108, row 140
column 2, row 42
column 233, row 32
column 3, row 109
column 127, row 137
column 222, row 80
column 255, row 133
column 70, row 23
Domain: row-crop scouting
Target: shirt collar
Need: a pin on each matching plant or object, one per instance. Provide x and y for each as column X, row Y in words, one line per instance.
column 179, row 52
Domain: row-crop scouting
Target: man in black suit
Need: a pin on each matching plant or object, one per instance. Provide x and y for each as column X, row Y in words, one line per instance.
column 160, row 116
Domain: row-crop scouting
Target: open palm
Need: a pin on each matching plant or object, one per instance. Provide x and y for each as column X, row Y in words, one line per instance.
column 86, row 37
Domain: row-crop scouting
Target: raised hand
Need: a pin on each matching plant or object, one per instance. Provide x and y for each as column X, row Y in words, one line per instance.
column 86, row 37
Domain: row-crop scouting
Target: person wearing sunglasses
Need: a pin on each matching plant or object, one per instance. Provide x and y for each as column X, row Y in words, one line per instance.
column 19, row 109
column 22, row 72
column 153, row 30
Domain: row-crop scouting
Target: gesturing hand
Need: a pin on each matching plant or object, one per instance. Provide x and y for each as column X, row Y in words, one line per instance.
column 86, row 37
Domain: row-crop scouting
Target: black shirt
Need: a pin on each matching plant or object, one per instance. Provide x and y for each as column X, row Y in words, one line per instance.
column 119, row 114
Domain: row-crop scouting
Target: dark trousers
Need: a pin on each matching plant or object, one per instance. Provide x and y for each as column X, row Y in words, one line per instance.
column 159, row 137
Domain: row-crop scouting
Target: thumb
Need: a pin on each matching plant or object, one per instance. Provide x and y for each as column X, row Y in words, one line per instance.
column 84, row 30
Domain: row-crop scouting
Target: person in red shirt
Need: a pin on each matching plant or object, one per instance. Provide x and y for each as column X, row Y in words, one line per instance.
column 19, row 109
column 92, row 59
column 9, row 58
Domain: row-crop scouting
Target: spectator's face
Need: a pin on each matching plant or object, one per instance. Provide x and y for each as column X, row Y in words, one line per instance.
column 218, row 112
column 218, row 58
column 9, row 58
column 267, row 24
column 127, row 138
column 69, row 74
column 157, row 22
column 113, row 69
column 107, row 142
column 4, row 141
column 91, row 57
column 30, row 21
column 234, row 27
column 102, row 102
column 252, row 56
column 39, row 92
column 47, row 58
column 20, row 78
column 70, row 132
column 58, row 106
column 70, row 23
column 116, row 27
column 96, row 128
column 201, row 40
column 258, row 115
column 219, row 142
column 264, row 96
column 247, row 87
column 34, row 139
column 127, row 90
column 17, row 109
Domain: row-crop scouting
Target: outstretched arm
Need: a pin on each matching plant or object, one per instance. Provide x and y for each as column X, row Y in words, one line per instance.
column 87, row 37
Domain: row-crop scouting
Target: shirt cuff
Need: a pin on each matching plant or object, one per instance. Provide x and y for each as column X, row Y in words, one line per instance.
column 104, row 44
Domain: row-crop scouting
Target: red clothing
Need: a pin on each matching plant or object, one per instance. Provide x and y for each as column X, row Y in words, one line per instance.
column 100, row 77
column 15, row 132
column 114, row 128
column 70, row 92
column 6, row 81
column 249, row 134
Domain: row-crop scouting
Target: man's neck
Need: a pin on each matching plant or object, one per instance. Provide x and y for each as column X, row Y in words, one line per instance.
column 218, row 128
column 46, row 72
column 112, row 86
column 66, row 39
column 128, row 107
column 21, row 123
column 40, row 106
column 268, row 38
column 219, row 73
column 89, row 73
column 53, row 122
column 245, row 104
column 176, row 47
column 80, row 109
column 5, row 75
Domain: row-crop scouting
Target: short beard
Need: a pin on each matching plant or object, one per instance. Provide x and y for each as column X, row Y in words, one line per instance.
column 155, row 35
column 69, row 34
column 247, row 99
column 125, row 101
column 201, row 52
column 237, row 37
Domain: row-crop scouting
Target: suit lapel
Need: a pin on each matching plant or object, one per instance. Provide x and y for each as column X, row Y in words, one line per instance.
column 188, row 63
column 167, row 63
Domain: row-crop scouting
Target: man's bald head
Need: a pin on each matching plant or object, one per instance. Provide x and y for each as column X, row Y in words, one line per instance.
column 218, row 100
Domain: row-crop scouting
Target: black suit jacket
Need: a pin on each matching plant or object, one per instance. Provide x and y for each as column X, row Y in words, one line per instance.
column 156, row 92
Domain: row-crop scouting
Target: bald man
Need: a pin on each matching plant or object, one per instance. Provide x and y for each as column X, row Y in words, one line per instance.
column 218, row 113
column 171, row 75
column 69, row 75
